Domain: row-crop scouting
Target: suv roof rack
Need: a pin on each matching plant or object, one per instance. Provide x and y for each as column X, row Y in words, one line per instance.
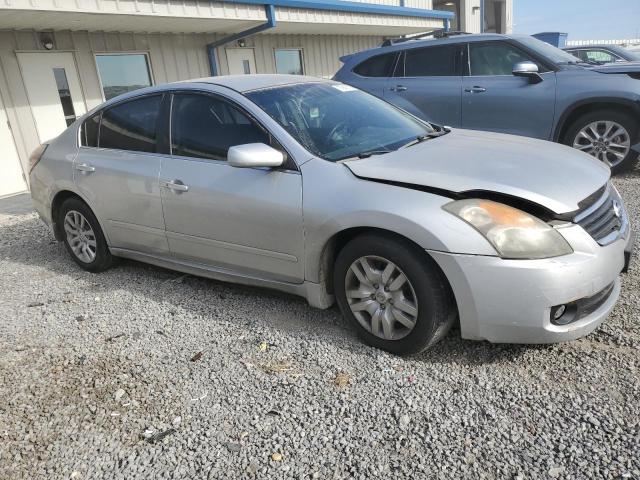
column 441, row 33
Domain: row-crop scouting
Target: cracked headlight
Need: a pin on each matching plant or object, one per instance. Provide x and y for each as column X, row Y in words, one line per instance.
column 512, row 232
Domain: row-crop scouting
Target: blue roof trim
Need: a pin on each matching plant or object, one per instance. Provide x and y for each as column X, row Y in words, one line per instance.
column 346, row 6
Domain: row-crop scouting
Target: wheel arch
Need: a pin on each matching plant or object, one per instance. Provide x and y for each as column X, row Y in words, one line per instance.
column 57, row 201
column 579, row 108
column 338, row 240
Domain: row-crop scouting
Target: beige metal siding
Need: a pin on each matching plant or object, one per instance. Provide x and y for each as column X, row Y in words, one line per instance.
column 173, row 57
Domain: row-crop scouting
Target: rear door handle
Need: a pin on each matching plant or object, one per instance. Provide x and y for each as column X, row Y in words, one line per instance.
column 475, row 90
column 398, row 88
column 175, row 185
column 83, row 167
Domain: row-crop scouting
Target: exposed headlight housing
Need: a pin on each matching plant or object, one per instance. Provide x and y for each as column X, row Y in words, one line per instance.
column 513, row 233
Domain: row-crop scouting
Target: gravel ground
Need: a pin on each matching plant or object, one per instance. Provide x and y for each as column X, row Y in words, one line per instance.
column 140, row 372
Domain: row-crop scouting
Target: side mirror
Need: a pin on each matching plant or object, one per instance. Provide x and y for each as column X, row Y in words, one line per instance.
column 527, row 69
column 251, row 155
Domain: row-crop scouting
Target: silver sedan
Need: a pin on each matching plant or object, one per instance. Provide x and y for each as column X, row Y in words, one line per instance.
column 316, row 188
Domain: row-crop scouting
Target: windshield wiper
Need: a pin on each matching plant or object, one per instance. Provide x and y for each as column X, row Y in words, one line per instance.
column 370, row 153
column 426, row 136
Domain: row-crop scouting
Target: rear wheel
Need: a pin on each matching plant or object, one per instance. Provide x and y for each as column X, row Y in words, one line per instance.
column 608, row 136
column 83, row 237
column 394, row 295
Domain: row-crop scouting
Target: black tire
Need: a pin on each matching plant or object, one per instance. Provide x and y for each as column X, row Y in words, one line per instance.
column 103, row 258
column 436, row 310
column 630, row 124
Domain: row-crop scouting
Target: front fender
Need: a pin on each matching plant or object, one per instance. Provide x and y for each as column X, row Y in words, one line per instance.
column 346, row 202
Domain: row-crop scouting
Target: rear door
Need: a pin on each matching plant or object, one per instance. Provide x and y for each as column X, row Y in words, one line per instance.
column 117, row 171
column 428, row 83
column 494, row 99
column 244, row 220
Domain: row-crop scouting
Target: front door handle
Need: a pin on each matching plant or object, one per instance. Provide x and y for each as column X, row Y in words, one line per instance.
column 398, row 88
column 475, row 89
column 175, row 185
column 83, row 167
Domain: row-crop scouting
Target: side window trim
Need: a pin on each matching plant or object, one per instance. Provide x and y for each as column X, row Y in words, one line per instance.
column 288, row 165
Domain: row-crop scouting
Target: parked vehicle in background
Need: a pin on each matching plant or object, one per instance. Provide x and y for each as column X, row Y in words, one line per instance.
column 508, row 83
column 319, row 189
column 602, row 54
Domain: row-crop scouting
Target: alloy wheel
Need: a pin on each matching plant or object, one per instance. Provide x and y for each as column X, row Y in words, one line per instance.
column 381, row 297
column 606, row 140
column 80, row 236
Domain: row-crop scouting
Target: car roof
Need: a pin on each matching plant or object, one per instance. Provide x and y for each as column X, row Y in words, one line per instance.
column 429, row 41
column 245, row 83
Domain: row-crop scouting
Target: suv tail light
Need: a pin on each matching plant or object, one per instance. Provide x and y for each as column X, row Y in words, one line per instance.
column 36, row 155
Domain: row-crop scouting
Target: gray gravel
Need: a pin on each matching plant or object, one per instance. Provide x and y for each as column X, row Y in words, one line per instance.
column 141, row 372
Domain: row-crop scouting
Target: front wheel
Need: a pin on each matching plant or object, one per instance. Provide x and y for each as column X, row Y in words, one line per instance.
column 394, row 295
column 607, row 135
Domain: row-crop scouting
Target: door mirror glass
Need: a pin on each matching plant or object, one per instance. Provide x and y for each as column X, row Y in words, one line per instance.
column 251, row 155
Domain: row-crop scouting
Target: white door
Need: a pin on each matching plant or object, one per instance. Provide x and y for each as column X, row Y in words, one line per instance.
column 242, row 61
column 11, row 179
column 53, row 89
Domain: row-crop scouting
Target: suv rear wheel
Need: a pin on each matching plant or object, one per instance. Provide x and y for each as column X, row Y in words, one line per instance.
column 396, row 297
column 607, row 135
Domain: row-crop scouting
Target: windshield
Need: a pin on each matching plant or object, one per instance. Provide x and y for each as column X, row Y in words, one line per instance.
column 548, row 51
column 336, row 121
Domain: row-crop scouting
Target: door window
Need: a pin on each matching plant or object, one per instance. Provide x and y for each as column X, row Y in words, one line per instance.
column 65, row 95
column 89, row 132
column 430, row 62
column 121, row 73
column 495, row 58
column 131, row 125
column 599, row 56
column 204, row 126
column 378, row 66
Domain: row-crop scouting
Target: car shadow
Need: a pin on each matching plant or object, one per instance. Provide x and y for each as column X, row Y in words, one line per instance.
column 25, row 240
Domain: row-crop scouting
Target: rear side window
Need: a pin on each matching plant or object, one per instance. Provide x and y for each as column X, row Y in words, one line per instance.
column 131, row 125
column 205, row 126
column 431, row 62
column 378, row 66
column 89, row 131
column 496, row 58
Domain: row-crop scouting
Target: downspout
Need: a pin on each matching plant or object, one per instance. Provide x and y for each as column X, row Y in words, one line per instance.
column 270, row 11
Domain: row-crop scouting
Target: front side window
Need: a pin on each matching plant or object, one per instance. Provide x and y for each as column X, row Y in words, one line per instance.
column 495, row 58
column 430, row 62
column 289, row 61
column 599, row 56
column 378, row 66
column 131, row 125
column 336, row 121
column 121, row 73
column 205, row 126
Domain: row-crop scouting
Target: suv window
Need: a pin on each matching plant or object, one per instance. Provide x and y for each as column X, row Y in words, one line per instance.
column 205, row 126
column 378, row 66
column 89, row 131
column 430, row 62
column 496, row 58
column 131, row 125
column 600, row 56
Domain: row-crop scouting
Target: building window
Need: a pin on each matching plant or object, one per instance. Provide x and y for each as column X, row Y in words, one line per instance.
column 121, row 73
column 65, row 95
column 289, row 61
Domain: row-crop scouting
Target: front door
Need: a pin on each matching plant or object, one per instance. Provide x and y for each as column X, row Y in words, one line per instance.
column 494, row 99
column 11, row 179
column 53, row 89
column 242, row 61
column 244, row 220
column 428, row 83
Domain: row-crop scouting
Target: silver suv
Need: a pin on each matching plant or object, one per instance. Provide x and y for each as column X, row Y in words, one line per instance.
column 319, row 189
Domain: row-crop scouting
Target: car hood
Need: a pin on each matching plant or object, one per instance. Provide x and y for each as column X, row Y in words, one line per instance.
column 621, row 67
column 554, row 176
